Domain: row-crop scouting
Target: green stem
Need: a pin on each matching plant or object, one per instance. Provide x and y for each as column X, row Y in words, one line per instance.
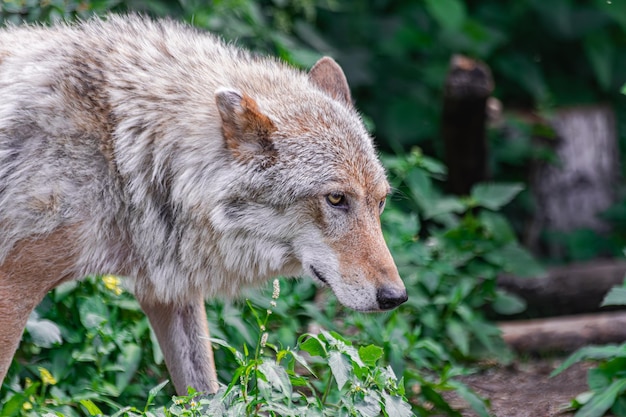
column 327, row 390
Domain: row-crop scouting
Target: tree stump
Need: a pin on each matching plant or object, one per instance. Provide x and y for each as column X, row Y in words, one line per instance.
column 571, row 193
column 468, row 86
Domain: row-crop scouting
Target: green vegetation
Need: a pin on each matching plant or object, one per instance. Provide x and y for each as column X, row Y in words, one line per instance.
column 607, row 381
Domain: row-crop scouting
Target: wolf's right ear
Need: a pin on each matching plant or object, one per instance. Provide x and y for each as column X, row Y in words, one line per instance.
column 328, row 75
column 246, row 130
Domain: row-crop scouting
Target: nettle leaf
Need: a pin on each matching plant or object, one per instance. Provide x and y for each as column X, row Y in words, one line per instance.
column 616, row 296
column 371, row 354
column 494, row 196
column 341, row 368
column 277, row 377
column 396, row 406
column 313, row 346
column 369, row 405
column 44, row 333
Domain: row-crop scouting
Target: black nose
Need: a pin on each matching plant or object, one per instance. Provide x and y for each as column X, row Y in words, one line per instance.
column 390, row 297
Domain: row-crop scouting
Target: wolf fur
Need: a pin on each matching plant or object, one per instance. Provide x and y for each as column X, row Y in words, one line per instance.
column 153, row 151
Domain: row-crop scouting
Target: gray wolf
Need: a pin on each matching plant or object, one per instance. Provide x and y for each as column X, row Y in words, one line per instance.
column 154, row 151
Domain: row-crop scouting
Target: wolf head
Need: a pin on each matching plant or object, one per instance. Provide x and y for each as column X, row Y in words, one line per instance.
column 313, row 189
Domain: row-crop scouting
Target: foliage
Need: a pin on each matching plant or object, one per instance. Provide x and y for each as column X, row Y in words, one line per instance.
column 265, row 26
column 264, row 386
column 84, row 343
column 607, row 382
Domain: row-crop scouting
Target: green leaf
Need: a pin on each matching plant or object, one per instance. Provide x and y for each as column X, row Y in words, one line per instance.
column 459, row 336
column 602, row 401
column 506, row 303
column 396, row 406
column 277, row 377
column 597, row 379
column 494, row 196
column 614, row 10
column 444, row 205
column 340, row 367
column 450, row 14
column 477, row 403
column 44, row 333
column 154, row 391
column 129, row 361
column 616, row 296
column 92, row 409
column 371, row 354
column 497, row 226
column 93, row 312
column 600, row 52
column 592, row 352
column 313, row 346
column 369, row 405
column 515, row 260
column 624, row 89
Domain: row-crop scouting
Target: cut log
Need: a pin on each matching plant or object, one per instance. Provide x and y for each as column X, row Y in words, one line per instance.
column 468, row 86
column 570, row 289
column 564, row 334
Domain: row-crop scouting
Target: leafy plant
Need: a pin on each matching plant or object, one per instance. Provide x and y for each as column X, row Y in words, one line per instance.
column 607, row 381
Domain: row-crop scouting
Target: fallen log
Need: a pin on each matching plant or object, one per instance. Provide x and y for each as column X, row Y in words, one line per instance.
column 569, row 289
column 564, row 334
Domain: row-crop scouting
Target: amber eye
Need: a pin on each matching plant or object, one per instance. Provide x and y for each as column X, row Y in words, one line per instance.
column 381, row 205
column 337, row 200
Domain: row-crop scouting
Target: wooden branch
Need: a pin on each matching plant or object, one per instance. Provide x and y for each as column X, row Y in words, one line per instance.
column 564, row 334
column 569, row 289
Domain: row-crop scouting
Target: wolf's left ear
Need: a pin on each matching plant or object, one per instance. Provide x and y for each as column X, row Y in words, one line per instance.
column 247, row 131
column 328, row 75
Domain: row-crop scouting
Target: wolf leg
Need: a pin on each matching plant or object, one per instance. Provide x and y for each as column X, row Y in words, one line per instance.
column 32, row 268
column 183, row 334
column 16, row 303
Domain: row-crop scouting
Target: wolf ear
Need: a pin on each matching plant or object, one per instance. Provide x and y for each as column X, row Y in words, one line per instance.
column 246, row 130
column 328, row 75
